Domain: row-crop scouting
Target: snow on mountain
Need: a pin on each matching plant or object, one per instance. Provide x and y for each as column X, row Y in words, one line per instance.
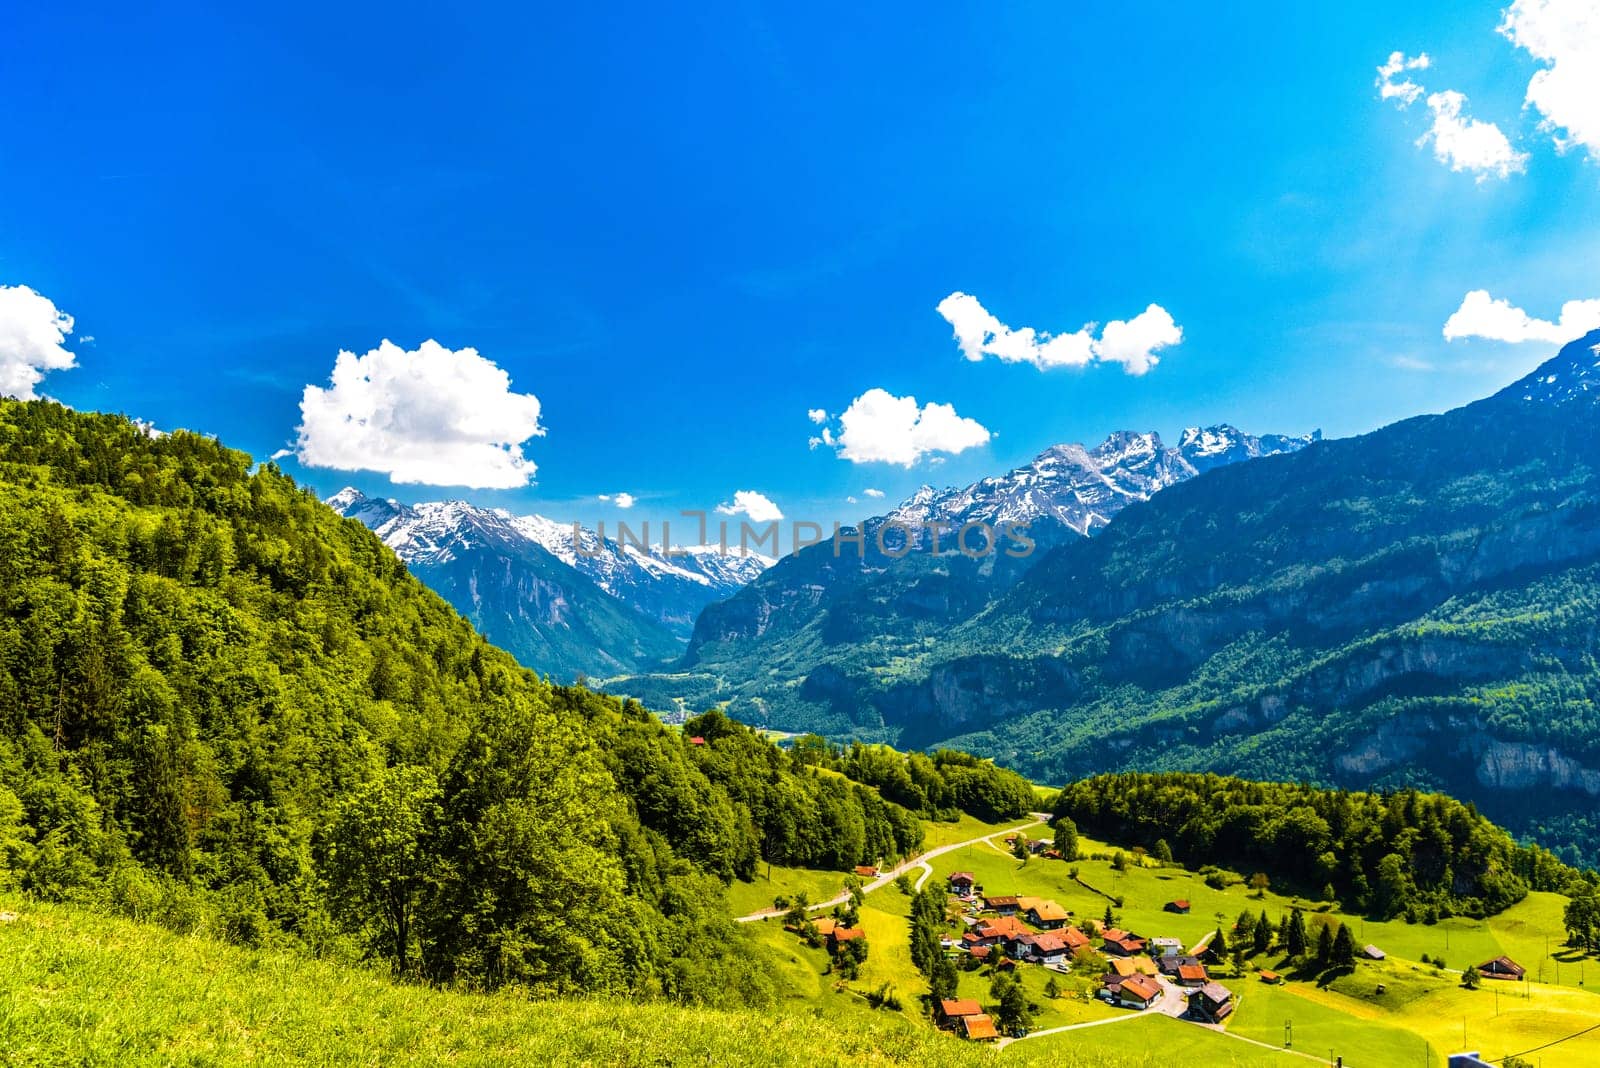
column 670, row 587
column 1571, row 375
column 1083, row 488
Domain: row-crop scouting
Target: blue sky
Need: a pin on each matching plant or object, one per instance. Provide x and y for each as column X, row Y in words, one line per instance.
column 683, row 229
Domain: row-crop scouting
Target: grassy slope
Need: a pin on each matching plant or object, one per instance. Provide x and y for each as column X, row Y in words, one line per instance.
column 81, row 988
column 1421, row 1007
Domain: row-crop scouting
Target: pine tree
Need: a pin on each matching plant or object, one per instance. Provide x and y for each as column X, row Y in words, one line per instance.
column 1344, row 948
column 1294, row 940
column 1325, row 946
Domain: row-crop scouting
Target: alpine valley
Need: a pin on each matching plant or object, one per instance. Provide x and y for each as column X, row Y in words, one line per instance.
column 1416, row 606
column 563, row 600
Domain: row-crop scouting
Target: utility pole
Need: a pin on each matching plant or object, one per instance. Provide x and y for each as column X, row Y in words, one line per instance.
column 1288, row 1034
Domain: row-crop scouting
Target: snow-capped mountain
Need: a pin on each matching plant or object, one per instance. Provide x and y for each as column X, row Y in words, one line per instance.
column 1082, row 488
column 668, row 587
column 1574, row 374
column 887, row 592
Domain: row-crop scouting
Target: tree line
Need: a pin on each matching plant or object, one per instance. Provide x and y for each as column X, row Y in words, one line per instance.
column 937, row 786
column 222, row 707
column 1402, row 852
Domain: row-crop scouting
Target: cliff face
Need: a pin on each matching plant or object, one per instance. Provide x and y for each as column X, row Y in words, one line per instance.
column 1420, row 605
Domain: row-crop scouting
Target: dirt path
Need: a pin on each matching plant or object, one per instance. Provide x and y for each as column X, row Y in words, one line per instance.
column 885, row 878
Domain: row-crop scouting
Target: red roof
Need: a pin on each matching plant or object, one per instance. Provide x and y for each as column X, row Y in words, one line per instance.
column 1180, row 903
column 697, row 740
column 1141, row 986
column 1192, row 973
column 979, row 1027
column 847, row 934
column 1005, row 927
column 866, row 870
column 962, row 877
column 953, row 1007
column 980, row 951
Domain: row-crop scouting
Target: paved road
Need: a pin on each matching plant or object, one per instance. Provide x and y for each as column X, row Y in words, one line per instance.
column 885, row 878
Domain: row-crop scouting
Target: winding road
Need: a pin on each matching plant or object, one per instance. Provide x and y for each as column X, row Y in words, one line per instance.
column 885, row 878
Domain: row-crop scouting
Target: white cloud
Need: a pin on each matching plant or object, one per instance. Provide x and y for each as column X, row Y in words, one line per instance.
column 817, row 415
column 621, row 500
column 1460, row 142
column 1564, row 35
column 1468, row 144
column 981, row 334
column 1134, row 343
column 33, row 334
column 873, row 493
column 1407, row 91
column 1482, row 316
column 879, row 427
column 432, row 416
column 758, row 506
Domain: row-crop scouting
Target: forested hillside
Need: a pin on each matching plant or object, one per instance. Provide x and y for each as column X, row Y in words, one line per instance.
column 1419, row 606
column 1405, row 853
column 223, row 706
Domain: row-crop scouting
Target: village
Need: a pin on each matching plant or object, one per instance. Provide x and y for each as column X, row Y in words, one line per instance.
column 1133, row 972
column 1098, row 960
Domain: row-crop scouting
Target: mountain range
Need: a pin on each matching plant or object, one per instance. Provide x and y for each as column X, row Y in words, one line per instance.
column 561, row 598
column 1417, row 605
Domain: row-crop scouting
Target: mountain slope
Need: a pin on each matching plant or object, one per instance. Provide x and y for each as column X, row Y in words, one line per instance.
column 222, row 706
column 561, row 604
column 1417, row 605
column 779, row 644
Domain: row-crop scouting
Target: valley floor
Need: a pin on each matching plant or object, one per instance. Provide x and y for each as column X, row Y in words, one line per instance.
column 82, row 988
column 1397, row 1011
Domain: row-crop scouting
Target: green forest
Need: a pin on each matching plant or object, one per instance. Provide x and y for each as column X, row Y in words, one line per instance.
column 1401, row 853
column 222, row 707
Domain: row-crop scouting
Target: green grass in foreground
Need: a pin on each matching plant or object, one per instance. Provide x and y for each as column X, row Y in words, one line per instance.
column 84, row 989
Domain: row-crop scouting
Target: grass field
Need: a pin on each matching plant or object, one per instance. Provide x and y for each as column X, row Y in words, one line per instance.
column 84, row 989
column 1419, row 1017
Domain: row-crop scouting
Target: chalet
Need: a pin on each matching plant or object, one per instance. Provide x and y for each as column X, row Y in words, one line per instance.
column 1180, row 906
column 1121, row 942
column 1138, row 992
column 1046, row 948
column 1048, row 915
column 1373, row 953
column 866, row 871
column 825, row 925
column 1001, row 932
column 1122, row 967
column 1502, row 968
column 961, row 882
column 979, row 1028
column 1126, row 966
column 1169, row 966
column 1074, row 938
column 1165, row 947
column 1194, row 975
column 1212, row 1003
column 1271, row 978
column 1005, row 905
column 953, row 1009
column 840, row 935
column 980, row 952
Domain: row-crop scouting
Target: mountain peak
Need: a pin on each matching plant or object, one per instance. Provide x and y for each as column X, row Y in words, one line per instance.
column 346, row 499
column 1572, row 374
